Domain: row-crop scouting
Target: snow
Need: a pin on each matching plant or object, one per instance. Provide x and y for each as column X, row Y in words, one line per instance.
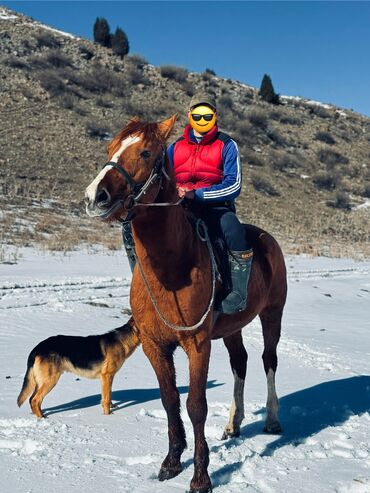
column 323, row 383
column 364, row 205
column 52, row 29
column 4, row 15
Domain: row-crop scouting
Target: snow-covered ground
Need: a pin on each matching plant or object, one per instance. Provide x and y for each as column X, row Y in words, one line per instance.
column 323, row 382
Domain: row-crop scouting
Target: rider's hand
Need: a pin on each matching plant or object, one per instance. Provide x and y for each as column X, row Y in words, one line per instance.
column 181, row 191
column 185, row 193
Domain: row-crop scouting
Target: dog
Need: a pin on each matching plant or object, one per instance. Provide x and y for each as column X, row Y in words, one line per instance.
column 96, row 356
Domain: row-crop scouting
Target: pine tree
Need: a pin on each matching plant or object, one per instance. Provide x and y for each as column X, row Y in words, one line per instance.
column 120, row 44
column 102, row 32
column 267, row 92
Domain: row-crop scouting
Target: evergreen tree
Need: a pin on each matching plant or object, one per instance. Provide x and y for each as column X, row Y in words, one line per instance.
column 120, row 44
column 102, row 32
column 267, row 92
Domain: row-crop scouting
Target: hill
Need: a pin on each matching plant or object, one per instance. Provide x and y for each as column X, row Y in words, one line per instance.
column 306, row 164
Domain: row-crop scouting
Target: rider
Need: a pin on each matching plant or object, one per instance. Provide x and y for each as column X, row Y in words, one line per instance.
column 208, row 174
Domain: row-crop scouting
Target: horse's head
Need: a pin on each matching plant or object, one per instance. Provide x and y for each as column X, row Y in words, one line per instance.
column 134, row 171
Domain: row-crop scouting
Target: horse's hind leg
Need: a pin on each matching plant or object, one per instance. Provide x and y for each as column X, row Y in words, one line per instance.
column 271, row 328
column 162, row 362
column 238, row 361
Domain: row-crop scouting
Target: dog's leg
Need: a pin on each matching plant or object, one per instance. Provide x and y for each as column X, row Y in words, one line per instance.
column 39, row 395
column 106, row 391
column 46, row 378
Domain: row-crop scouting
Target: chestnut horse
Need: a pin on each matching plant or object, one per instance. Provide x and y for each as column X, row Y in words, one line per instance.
column 172, row 289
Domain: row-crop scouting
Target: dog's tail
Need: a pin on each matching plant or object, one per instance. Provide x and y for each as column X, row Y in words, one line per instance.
column 29, row 382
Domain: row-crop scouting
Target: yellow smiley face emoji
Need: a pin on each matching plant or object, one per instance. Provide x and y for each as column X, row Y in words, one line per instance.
column 202, row 118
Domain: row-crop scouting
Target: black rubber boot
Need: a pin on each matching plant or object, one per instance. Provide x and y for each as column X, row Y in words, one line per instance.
column 240, row 267
column 129, row 244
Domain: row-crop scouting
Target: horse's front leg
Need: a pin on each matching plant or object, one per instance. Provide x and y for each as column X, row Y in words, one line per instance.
column 196, row 403
column 162, row 362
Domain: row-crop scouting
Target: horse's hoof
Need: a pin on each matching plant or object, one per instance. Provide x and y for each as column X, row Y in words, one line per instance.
column 230, row 434
column 169, row 472
column 273, row 428
column 206, row 489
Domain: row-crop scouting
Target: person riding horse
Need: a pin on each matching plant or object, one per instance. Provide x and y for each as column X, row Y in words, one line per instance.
column 208, row 174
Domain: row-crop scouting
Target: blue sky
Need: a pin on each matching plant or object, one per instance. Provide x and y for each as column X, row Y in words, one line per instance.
column 319, row 50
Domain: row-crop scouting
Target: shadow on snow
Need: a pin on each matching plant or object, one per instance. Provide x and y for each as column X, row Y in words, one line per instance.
column 121, row 398
column 303, row 414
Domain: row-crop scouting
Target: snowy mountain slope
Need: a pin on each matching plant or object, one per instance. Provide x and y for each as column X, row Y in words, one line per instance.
column 323, row 382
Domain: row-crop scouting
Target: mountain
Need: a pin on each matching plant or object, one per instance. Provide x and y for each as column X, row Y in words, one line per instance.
column 305, row 163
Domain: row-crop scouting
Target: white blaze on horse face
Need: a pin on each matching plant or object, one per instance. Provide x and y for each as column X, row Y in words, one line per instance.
column 132, row 139
column 92, row 189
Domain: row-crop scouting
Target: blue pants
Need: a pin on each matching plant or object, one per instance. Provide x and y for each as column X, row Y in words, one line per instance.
column 222, row 222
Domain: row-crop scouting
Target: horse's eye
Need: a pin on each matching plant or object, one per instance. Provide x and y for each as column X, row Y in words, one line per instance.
column 145, row 154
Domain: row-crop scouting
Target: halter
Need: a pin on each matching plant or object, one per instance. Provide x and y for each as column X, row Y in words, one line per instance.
column 141, row 188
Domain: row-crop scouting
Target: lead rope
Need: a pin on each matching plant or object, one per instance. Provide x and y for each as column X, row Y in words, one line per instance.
column 203, row 236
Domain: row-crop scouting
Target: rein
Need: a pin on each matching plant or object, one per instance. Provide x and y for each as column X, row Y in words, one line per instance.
column 203, row 236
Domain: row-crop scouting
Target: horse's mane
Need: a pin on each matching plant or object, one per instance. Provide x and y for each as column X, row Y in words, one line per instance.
column 149, row 131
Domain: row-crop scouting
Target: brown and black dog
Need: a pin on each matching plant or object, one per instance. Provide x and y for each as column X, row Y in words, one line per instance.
column 97, row 356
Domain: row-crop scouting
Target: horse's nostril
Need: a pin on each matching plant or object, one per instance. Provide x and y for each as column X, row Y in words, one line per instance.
column 102, row 196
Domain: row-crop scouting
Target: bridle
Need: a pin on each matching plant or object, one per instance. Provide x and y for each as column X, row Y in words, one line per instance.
column 138, row 190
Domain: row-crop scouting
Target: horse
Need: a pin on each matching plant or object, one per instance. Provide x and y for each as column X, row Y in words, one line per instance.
column 173, row 289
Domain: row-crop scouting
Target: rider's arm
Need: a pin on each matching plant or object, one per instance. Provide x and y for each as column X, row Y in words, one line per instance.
column 170, row 151
column 230, row 186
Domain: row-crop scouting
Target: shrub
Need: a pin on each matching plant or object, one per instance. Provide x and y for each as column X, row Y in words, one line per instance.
column 261, row 184
column 267, row 92
column 325, row 137
column 101, row 31
column 137, row 61
column 16, row 62
column 120, row 44
column 326, row 180
column 331, row 158
column 136, row 76
column 276, row 137
column 366, row 190
column 341, row 201
column 47, row 40
column 252, row 158
column 320, row 111
column 226, row 102
column 188, row 88
column 210, row 71
column 98, row 80
column 179, row 74
column 104, row 103
column 67, row 101
column 86, row 53
column 258, row 119
column 52, row 83
column 58, row 59
column 98, row 130
column 282, row 161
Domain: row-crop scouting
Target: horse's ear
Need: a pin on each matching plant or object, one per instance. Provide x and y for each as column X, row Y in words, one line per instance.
column 166, row 127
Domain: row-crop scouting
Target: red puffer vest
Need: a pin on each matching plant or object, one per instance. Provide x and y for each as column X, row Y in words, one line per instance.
column 198, row 165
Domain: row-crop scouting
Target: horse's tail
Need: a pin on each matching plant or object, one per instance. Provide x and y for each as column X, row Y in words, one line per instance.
column 29, row 382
